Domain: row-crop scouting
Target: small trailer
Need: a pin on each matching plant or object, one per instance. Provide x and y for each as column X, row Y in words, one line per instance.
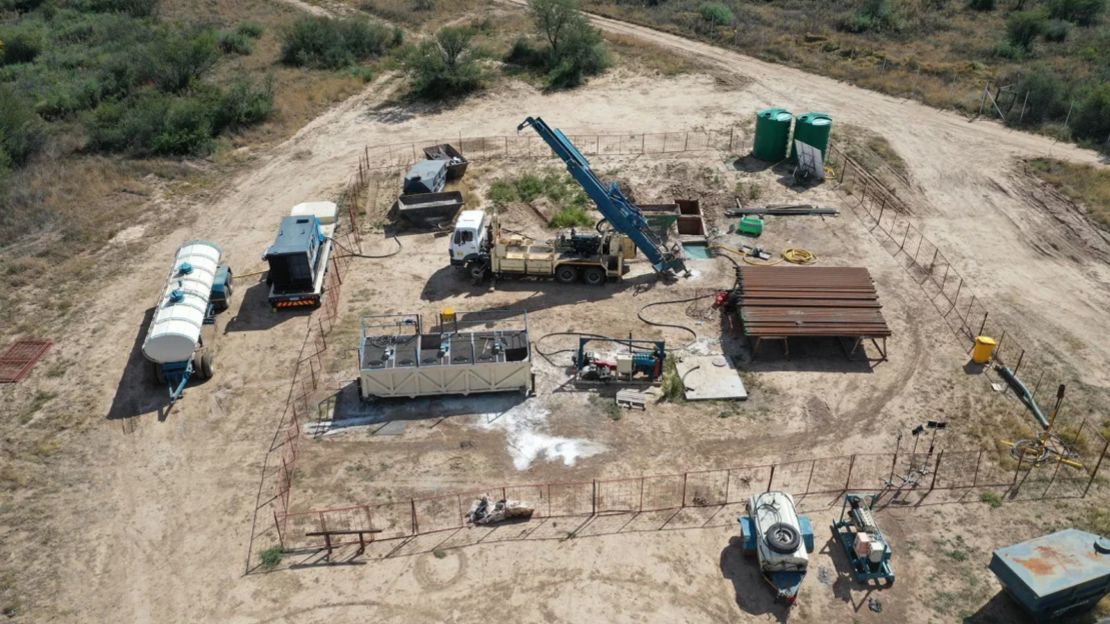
column 299, row 257
column 456, row 162
column 179, row 341
column 858, row 533
column 780, row 539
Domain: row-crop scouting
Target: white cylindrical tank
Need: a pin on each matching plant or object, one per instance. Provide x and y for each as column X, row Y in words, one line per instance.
column 175, row 329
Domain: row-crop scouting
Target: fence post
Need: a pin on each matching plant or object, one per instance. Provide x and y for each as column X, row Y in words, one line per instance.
column 1094, row 473
column 851, row 465
column 1017, row 471
column 975, row 475
column 731, row 133
column 684, row 477
column 1021, row 356
column 936, row 471
column 1059, row 460
column 415, row 526
column 593, row 499
column 812, row 465
column 277, row 527
column 771, row 479
column 983, row 324
column 904, row 237
column 641, row 494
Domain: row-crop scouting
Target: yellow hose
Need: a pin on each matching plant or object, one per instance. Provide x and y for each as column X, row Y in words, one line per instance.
column 796, row 255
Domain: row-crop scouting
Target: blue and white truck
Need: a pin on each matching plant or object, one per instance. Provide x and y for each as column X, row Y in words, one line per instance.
column 299, row 257
column 180, row 339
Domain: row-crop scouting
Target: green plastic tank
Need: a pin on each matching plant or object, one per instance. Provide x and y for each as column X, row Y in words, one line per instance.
column 812, row 129
column 772, row 132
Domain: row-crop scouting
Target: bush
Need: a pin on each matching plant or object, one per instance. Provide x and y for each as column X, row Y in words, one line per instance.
column 1048, row 94
column 1056, row 30
column 444, row 66
column 575, row 48
column 572, row 216
column 134, row 8
column 877, row 15
column 21, row 44
column 186, row 128
column 21, row 131
column 182, row 58
column 716, row 13
column 245, row 103
column 271, row 557
column 1022, row 27
column 236, row 43
column 1092, row 118
column 1082, row 12
column 1007, row 50
column 982, row 5
column 250, row 29
column 329, row 43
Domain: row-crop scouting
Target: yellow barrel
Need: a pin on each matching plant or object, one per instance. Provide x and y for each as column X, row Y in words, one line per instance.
column 447, row 315
column 984, row 349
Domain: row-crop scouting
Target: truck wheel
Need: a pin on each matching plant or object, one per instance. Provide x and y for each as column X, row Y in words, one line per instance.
column 206, row 365
column 477, row 272
column 159, row 374
column 782, row 538
column 566, row 274
column 198, row 365
column 593, row 276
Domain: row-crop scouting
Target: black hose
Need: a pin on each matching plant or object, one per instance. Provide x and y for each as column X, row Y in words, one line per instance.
column 367, row 256
column 640, row 315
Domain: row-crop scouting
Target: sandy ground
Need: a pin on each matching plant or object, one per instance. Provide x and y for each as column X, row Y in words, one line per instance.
column 134, row 514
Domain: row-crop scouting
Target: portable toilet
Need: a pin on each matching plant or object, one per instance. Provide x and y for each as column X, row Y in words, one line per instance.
column 426, row 176
column 772, row 131
column 1054, row 575
column 812, row 129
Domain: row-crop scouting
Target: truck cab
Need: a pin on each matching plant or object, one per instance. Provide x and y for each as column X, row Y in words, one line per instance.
column 469, row 239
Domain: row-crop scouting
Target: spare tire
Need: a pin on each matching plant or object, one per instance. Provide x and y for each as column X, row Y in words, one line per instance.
column 782, row 538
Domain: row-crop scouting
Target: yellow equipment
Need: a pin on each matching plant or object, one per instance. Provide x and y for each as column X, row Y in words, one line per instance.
column 984, row 349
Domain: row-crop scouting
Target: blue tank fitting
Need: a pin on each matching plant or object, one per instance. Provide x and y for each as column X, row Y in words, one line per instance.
column 177, row 295
column 185, row 268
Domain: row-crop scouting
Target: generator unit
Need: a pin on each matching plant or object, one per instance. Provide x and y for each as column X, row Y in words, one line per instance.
column 866, row 548
column 426, row 176
column 641, row 361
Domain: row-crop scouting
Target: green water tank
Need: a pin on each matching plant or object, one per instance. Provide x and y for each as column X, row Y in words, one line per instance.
column 772, row 131
column 812, row 129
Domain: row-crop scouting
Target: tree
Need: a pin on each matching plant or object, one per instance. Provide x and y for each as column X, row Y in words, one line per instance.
column 554, row 18
column 1022, row 27
column 444, row 66
column 1092, row 120
column 1082, row 12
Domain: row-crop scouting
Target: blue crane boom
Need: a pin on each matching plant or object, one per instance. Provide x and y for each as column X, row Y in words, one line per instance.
column 622, row 214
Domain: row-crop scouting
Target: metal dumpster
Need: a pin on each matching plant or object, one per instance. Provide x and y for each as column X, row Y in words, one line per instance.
column 456, row 162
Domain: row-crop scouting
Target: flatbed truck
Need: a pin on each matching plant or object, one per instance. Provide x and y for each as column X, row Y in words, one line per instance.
column 298, row 259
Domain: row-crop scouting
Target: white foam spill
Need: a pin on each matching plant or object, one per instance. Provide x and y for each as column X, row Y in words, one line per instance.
column 523, row 425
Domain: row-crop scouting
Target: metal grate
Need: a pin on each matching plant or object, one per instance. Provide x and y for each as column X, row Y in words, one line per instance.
column 20, row 358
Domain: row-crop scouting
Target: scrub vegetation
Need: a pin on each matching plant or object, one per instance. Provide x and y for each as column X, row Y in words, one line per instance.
column 941, row 52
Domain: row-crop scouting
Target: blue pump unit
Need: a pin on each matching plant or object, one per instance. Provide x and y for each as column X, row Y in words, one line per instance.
column 622, row 214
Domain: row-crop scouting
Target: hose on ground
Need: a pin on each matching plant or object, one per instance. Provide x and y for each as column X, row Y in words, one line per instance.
column 547, row 354
column 640, row 315
column 797, row 255
column 368, row 256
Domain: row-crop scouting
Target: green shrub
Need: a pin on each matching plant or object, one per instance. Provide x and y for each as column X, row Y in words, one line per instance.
column 501, row 193
column 1048, row 94
column 21, row 44
column 1056, row 30
column 182, row 58
column 992, row 499
column 982, row 5
column 1022, row 27
column 571, row 216
column 243, row 104
column 186, row 129
column 424, row 5
column 1082, row 12
column 271, row 557
column 250, row 29
column 444, row 66
column 134, row 8
column 21, row 131
column 1092, row 118
column 1007, row 50
column 236, row 43
column 874, row 15
column 716, row 13
column 329, row 43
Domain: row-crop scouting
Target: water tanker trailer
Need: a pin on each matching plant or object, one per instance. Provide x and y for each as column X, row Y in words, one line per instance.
column 181, row 334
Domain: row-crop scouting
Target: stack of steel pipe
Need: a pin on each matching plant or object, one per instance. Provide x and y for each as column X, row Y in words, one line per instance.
column 810, row 301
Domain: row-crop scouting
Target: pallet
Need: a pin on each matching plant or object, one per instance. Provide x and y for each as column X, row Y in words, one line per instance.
column 632, row 399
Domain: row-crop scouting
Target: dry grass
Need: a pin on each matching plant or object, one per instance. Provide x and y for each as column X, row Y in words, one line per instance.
column 1086, row 185
column 632, row 52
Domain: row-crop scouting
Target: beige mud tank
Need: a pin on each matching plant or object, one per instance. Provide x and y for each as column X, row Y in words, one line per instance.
column 480, row 352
